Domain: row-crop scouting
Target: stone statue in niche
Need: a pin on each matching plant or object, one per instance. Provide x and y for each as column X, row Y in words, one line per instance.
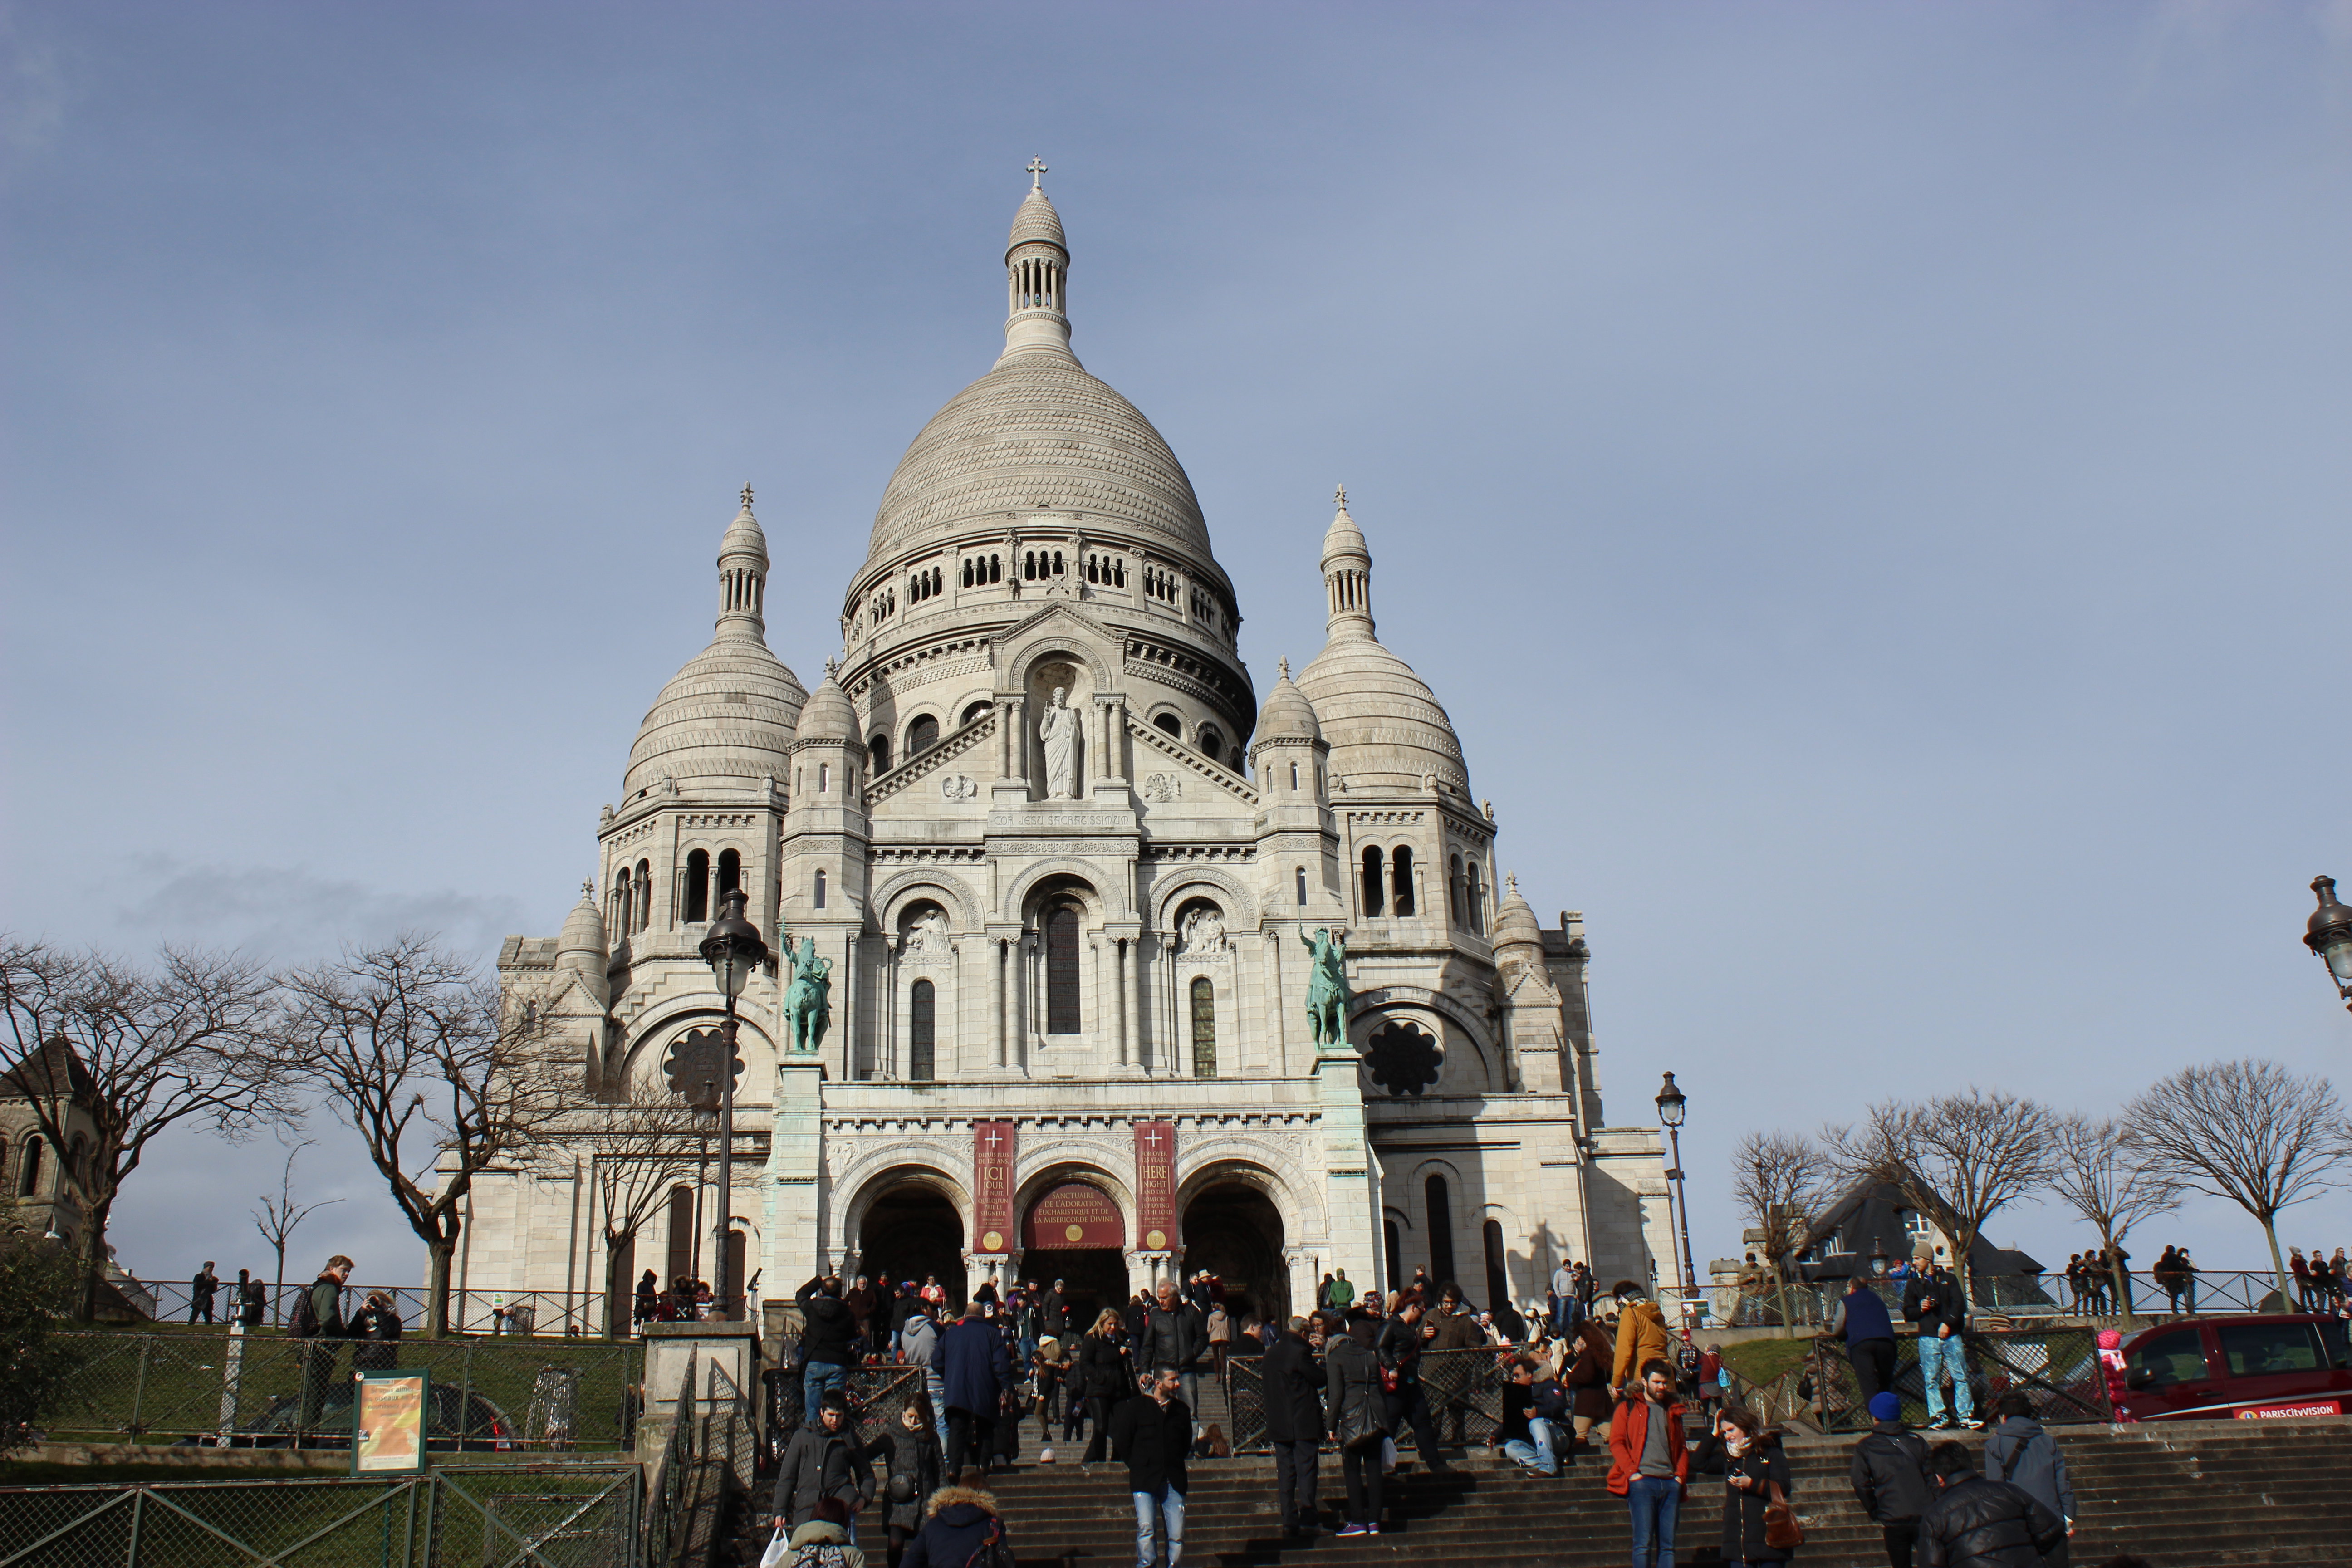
column 927, row 933
column 1163, row 787
column 958, row 786
column 1203, row 931
column 1057, row 728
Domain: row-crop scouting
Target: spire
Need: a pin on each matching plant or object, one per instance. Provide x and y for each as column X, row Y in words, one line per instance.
column 743, row 575
column 1347, row 573
column 1036, row 275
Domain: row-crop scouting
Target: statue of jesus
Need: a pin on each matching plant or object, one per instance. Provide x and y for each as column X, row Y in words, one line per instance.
column 1058, row 729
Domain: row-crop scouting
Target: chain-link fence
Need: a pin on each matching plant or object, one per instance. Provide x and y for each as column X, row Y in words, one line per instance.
column 706, row 1463
column 268, row 1390
column 2057, row 1368
column 507, row 1516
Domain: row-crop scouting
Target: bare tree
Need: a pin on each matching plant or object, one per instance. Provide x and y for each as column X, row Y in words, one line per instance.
column 2102, row 1177
column 2247, row 1131
column 136, row 1051
column 638, row 1147
column 278, row 1217
column 1783, row 1182
column 440, row 1078
column 1958, row 1159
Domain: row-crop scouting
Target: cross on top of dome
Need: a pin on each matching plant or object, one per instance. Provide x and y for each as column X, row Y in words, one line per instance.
column 1339, row 495
column 747, row 498
column 1036, row 172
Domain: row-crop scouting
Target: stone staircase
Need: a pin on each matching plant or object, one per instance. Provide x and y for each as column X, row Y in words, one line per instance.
column 2183, row 1495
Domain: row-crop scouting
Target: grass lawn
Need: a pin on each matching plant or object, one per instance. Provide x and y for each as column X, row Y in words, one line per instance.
column 31, row 1474
column 1761, row 1361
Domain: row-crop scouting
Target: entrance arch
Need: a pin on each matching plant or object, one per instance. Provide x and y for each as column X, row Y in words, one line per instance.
column 1074, row 1233
column 912, row 1230
column 1232, row 1229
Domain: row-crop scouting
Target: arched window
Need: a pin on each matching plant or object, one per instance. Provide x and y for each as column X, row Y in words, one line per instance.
column 1453, row 889
column 681, row 1234
column 1372, row 899
column 1498, row 1273
column 922, row 735
column 824, row 778
column 1478, row 895
column 645, row 894
column 1211, row 743
column 1062, row 970
column 816, row 897
column 966, row 572
column 1302, row 886
column 1441, row 1232
column 975, row 713
column 698, row 886
column 1400, row 880
column 1293, row 778
column 730, row 871
column 78, row 1159
column 1169, row 724
column 878, row 749
column 29, row 1185
column 922, row 1025
column 1395, row 1240
column 997, row 569
column 1204, row 1027
column 618, row 916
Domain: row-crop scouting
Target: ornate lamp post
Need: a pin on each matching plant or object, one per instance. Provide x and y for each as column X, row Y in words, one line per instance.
column 1671, row 1103
column 2329, row 934
column 733, row 949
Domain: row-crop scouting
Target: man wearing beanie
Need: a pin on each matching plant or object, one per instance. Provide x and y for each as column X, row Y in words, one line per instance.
column 1890, row 1477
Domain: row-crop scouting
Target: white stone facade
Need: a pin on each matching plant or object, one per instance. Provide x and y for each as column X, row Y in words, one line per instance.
column 1076, row 924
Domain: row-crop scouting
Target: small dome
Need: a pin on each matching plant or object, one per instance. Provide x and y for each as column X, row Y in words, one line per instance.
column 1037, row 220
column 1287, row 715
column 583, row 929
column 725, row 720
column 744, row 536
column 1515, row 923
column 829, row 716
column 1386, row 728
column 1343, row 539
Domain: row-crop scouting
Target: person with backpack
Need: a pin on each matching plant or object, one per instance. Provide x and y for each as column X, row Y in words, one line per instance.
column 962, row 1528
column 319, row 1325
column 914, row 1464
column 822, row 1542
column 2021, row 1451
column 1888, row 1473
column 825, row 1459
column 1360, row 1421
column 1979, row 1523
column 1288, row 1383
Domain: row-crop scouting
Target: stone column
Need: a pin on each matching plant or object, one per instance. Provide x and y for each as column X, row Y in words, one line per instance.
column 1020, row 740
column 1123, row 999
column 996, row 995
column 1135, row 1000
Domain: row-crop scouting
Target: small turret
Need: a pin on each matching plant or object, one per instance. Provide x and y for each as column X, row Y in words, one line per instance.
column 1036, row 275
column 581, row 947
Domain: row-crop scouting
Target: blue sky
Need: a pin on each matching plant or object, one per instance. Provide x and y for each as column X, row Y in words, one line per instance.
column 1869, row 482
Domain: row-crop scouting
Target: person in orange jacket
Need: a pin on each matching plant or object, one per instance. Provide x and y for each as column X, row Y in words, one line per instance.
column 1649, row 1464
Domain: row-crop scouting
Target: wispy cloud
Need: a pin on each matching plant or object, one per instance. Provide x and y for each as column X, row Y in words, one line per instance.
column 288, row 913
column 34, row 97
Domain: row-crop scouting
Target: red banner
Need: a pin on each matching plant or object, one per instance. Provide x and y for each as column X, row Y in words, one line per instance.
column 991, row 1187
column 1073, row 1214
column 1155, row 1185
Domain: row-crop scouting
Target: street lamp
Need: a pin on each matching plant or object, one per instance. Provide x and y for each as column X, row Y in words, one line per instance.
column 2329, row 934
column 1671, row 1104
column 733, row 949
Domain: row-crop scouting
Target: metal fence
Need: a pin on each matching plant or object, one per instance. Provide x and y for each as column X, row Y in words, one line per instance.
column 560, row 1313
column 1800, row 1304
column 250, row 1389
column 506, row 1516
column 1463, row 1388
column 706, row 1464
column 2057, row 1368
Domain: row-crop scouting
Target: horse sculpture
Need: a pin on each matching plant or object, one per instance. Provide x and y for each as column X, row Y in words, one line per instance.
column 808, row 1005
column 1328, row 996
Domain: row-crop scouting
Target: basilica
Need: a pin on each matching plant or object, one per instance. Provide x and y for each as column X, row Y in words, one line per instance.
column 1073, row 877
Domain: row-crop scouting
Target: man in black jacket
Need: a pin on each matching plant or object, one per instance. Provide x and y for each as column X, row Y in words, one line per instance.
column 1978, row 1523
column 827, row 1329
column 1175, row 1333
column 1889, row 1474
column 823, row 1459
column 1152, row 1437
column 1938, row 1304
column 1399, row 1345
column 1290, row 1384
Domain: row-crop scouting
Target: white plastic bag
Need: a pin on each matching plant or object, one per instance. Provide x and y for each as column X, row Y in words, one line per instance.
column 773, row 1557
column 1387, row 1456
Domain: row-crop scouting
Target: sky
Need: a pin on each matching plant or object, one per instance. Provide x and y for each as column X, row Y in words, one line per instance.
column 1868, row 482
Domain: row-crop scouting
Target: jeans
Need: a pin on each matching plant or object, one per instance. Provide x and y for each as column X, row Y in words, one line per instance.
column 1538, row 1452
column 816, row 1378
column 968, row 1441
column 937, row 1389
column 1654, row 1501
column 2189, row 1297
column 1294, row 1477
column 1937, row 1356
column 1150, row 1509
column 1361, row 1471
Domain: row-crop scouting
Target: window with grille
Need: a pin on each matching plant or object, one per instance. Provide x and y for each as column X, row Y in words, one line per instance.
column 1204, row 1029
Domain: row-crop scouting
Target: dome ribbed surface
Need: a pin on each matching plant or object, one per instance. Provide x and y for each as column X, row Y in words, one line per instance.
column 726, row 720
column 744, row 537
column 1385, row 727
column 1516, row 923
column 1039, row 428
column 1287, row 715
column 829, row 716
column 583, row 929
column 1037, row 220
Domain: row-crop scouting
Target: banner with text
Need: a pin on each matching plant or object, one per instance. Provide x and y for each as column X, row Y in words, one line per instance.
column 1155, row 1185
column 991, row 1187
column 1073, row 1214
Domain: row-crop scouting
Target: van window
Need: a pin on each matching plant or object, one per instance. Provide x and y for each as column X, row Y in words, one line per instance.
column 2257, row 1350
column 2170, row 1358
column 2332, row 1332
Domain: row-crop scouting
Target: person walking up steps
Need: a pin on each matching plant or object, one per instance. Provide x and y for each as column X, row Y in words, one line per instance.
column 1289, row 1383
column 1979, row 1523
column 2021, row 1451
column 976, row 1368
column 1889, row 1477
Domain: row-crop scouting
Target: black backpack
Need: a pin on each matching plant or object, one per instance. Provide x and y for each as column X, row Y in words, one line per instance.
column 992, row 1551
column 305, row 1324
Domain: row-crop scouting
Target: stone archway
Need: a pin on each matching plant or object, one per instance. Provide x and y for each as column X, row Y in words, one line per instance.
column 1232, row 1229
column 1073, row 1234
column 912, row 1230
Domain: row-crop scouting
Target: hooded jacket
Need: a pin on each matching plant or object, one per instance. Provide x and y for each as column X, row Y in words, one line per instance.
column 1889, row 1473
column 961, row 1520
column 1983, row 1523
column 1629, row 1433
column 1640, row 1339
column 825, row 1532
column 2022, row 1453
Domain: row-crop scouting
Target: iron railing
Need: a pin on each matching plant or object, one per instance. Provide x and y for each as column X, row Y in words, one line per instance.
column 506, row 1516
column 1463, row 1388
column 2057, row 1368
column 2019, row 1296
column 706, row 1463
column 497, row 1313
column 244, row 1389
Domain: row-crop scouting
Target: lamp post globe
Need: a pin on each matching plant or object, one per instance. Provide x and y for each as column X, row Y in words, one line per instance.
column 1672, row 1102
column 733, row 948
column 2328, row 934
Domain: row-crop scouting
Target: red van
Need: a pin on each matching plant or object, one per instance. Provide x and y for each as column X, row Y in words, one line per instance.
column 2249, row 1367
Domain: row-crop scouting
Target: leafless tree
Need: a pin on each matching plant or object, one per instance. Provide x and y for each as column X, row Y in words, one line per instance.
column 278, row 1217
column 1959, row 1159
column 2104, row 1178
column 636, row 1147
column 137, row 1051
column 440, row 1078
column 2249, row 1130
column 1783, row 1182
